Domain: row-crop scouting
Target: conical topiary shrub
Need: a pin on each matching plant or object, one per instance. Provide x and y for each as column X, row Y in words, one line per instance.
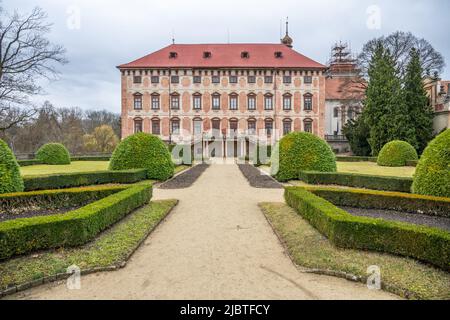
column 301, row 151
column 10, row 178
column 432, row 175
column 144, row 151
column 53, row 154
column 396, row 154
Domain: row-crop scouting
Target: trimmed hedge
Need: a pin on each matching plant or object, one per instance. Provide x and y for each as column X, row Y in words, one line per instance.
column 14, row 203
column 53, row 154
column 72, row 229
column 301, row 151
column 70, row 180
column 27, row 163
column 92, row 158
column 370, row 199
column 10, row 178
column 357, row 181
column 412, row 163
column 396, row 154
column 355, row 159
column 432, row 175
column 144, row 151
column 348, row 231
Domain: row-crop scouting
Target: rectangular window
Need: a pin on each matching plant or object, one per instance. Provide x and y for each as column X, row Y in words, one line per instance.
column 137, row 79
column 268, row 79
column 268, row 103
column 252, row 127
column 197, row 127
column 287, row 127
column 155, row 102
column 287, row 79
column 233, row 126
column 156, row 129
column 216, row 102
column 175, row 127
column 233, row 79
column 308, row 103
column 197, row 102
column 287, row 103
column 197, row 79
column 216, row 124
column 251, row 79
column 137, row 102
column 308, row 79
column 138, row 126
column 233, row 102
column 175, row 102
column 269, row 127
column 215, row 79
column 155, row 79
column 252, row 103
column 308, row 126
column 175, row 79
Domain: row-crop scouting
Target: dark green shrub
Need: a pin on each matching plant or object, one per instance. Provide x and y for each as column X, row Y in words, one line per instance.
column 71, row 229
column 348, row 231
column 10, row 178
column 432, row 175
column 144, row 151
column 53, row 154
column 357, row 180
column 27, row 163
column 14, row 203
column 301, row 151
column 396, row 154
column 371, row 199
column 70, row 180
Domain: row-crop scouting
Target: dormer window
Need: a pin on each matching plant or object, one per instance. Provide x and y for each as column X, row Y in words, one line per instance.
column 245, row 55
column 278, row 54
column 173, row 55
column 206, row 55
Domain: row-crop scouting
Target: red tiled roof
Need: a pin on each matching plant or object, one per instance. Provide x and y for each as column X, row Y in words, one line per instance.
column 344, row 89
column 225, row 56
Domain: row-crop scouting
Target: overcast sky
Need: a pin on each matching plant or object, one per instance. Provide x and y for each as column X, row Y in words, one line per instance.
column 101, row 34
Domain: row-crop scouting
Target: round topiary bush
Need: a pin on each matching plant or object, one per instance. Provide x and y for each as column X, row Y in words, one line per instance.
column 53, row 154
column 432, row 175
column 396, row 154
column 10, row 178
column 144, row 151
column 301, row 151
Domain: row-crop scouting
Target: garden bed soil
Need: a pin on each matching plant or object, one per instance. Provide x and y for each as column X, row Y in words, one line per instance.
column 392, row 215
column 36, row 213
column 257, row 179
column 186, row 179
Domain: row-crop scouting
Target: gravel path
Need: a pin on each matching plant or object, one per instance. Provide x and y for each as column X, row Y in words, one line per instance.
column 216, row 244
column 420, row 219
column 257, row 179
column 185, row 179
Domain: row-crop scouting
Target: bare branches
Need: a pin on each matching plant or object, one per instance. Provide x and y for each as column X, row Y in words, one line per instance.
column 26, row 55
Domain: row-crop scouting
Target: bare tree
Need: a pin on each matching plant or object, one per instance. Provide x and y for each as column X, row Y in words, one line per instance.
column 400, row 44
column 26, row 56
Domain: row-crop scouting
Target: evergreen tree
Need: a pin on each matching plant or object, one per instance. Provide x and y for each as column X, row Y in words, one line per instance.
column 416, row 102
column 357, row 134
column 385, row 112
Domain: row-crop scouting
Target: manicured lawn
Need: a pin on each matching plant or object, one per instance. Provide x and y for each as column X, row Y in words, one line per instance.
column 76, row 166
column 309, row 249
column 373, row 169
column 112, row 248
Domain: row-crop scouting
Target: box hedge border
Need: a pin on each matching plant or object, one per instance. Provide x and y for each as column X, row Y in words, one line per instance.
column 70, row 180
column 33, row 162
column 355, row 159
column 357, row 180
column 371, row 199
column 344, row 230
column 54, row 199
column 75, row 228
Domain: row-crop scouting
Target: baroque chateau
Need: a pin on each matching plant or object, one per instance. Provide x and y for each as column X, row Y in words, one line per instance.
column 190, row 92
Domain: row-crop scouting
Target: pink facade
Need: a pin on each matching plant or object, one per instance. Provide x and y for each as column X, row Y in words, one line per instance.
column 187, row 95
